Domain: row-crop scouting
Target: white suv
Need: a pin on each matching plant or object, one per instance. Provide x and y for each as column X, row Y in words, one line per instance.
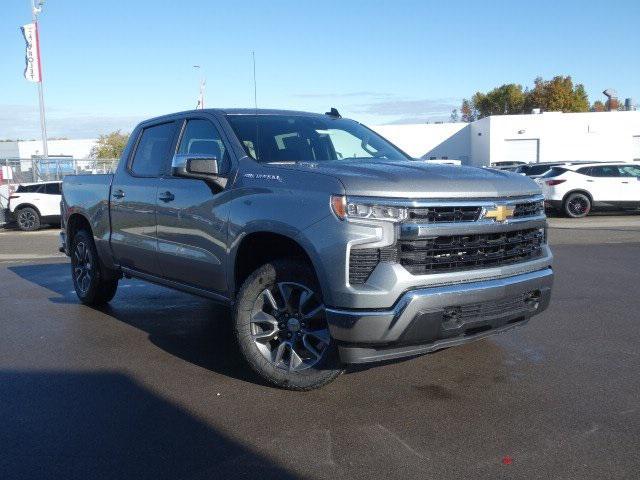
column 577, row 189
column 33, row 204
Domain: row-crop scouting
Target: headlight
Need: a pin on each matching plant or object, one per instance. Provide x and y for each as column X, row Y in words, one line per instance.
column 344, row 208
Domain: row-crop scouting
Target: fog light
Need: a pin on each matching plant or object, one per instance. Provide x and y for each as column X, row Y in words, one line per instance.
column 532, row 300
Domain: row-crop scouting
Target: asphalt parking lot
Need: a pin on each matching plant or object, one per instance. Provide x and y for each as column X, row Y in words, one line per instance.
column 150, row 387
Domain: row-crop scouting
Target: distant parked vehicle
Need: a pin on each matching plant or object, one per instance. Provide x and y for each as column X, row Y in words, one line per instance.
column 34, row 204
column 535, row 170
column 575, row 190
column 510, row 165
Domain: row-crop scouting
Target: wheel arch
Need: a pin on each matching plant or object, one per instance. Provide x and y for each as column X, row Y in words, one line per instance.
column 27, row 205
column 75, row 223
column 577, row 190
column 260, row 247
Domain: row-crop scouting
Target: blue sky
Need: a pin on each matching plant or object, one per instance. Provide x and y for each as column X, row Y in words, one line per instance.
column 108, row 64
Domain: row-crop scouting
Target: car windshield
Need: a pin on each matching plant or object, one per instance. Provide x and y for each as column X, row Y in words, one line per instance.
column 295, row 138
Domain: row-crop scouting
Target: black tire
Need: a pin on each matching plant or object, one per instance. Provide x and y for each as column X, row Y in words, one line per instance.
column 28, row 219
column 577, row 205
column 92, row 286
column 300, row 355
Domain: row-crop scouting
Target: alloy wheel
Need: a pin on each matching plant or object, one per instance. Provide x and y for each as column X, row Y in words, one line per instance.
column 289, row 327
column 26, row 219
column 82, row 267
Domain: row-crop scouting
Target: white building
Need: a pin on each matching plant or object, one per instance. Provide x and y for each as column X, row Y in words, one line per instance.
column 27, row 149
column 552, row 136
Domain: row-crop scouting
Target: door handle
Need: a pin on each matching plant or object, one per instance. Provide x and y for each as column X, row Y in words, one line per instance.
column 167, row 197
column 625, row 182
column 118, row 194
column 590, row 181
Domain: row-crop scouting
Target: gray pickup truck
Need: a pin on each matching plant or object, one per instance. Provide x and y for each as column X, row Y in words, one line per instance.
column 330, row 245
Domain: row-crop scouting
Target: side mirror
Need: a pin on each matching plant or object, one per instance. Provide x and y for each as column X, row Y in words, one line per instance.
column 203, row 166
column 194, row 165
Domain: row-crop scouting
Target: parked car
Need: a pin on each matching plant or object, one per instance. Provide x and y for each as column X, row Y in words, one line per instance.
column 330, row 245
column 576, row 190
column 535, row 170
column 34, row 204
column 507, row 165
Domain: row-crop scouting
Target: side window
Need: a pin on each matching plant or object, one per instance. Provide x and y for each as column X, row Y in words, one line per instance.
column 152, row 150
column 629, row 171
column 584, row 171
column 52, row 188
column 604, row 172
column 202, row 137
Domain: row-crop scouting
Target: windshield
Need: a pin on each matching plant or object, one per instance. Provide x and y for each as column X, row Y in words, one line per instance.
column 295, row 138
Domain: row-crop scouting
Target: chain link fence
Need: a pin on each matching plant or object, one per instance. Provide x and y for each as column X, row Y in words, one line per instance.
column 16, row 171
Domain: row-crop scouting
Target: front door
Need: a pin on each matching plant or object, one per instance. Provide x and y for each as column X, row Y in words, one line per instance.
column 134, row 194
column 192, row 214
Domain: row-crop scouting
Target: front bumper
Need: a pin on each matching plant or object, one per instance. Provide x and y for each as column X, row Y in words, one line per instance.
column 429, row 319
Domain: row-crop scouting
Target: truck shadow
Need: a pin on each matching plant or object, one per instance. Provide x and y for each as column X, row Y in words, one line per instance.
column 60, row 424
column 194, row 329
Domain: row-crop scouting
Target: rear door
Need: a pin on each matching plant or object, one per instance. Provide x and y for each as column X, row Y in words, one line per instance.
column 631, row 182
column 134, row 195
column 606, row 184
column 192, row 213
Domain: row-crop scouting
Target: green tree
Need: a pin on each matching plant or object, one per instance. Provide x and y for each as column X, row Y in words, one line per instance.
column 507, row 99
column 454, row 116
column 110, row 145
column 558, row 94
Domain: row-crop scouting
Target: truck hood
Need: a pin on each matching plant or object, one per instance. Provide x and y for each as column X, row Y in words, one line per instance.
column 420, row 179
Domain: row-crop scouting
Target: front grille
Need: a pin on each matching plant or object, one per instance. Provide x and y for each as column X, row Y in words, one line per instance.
column 445, row 214
column 450, row 253
column 464, row 252
column 486, row 310
column 529, row 209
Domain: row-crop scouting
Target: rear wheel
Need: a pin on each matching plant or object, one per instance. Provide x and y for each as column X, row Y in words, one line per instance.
column 577, row 205
column 90, row 282
column 281, row 327
column 28, row 219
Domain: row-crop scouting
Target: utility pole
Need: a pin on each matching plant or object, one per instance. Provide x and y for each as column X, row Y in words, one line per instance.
column 36, row 8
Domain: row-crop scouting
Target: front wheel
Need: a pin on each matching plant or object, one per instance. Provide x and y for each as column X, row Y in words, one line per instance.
column 281, row 327
column 91, row 285
column 577, row 205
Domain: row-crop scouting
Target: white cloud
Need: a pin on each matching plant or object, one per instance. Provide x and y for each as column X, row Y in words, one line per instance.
column 23, row 121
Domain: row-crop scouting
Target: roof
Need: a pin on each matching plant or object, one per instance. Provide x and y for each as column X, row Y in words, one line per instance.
column 592, row 164
column 238, row 111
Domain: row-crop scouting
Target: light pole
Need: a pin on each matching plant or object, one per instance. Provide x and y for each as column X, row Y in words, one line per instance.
column 203, row 81
column 36, row 8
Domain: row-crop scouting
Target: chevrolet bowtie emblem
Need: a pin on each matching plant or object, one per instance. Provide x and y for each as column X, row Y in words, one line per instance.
column 501, row 213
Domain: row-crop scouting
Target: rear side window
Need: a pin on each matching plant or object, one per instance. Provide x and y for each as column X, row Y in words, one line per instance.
column 554, row 172
column 52, row 188
column 629, row 171
column 607, row 171
column 39, row 188
column 152, row 150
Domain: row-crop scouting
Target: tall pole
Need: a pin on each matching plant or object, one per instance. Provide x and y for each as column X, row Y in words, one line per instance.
column 203, row 81
column 35, row 11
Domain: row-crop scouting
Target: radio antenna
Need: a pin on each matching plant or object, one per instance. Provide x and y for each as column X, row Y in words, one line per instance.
column 256, row 150
column 255, row 85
